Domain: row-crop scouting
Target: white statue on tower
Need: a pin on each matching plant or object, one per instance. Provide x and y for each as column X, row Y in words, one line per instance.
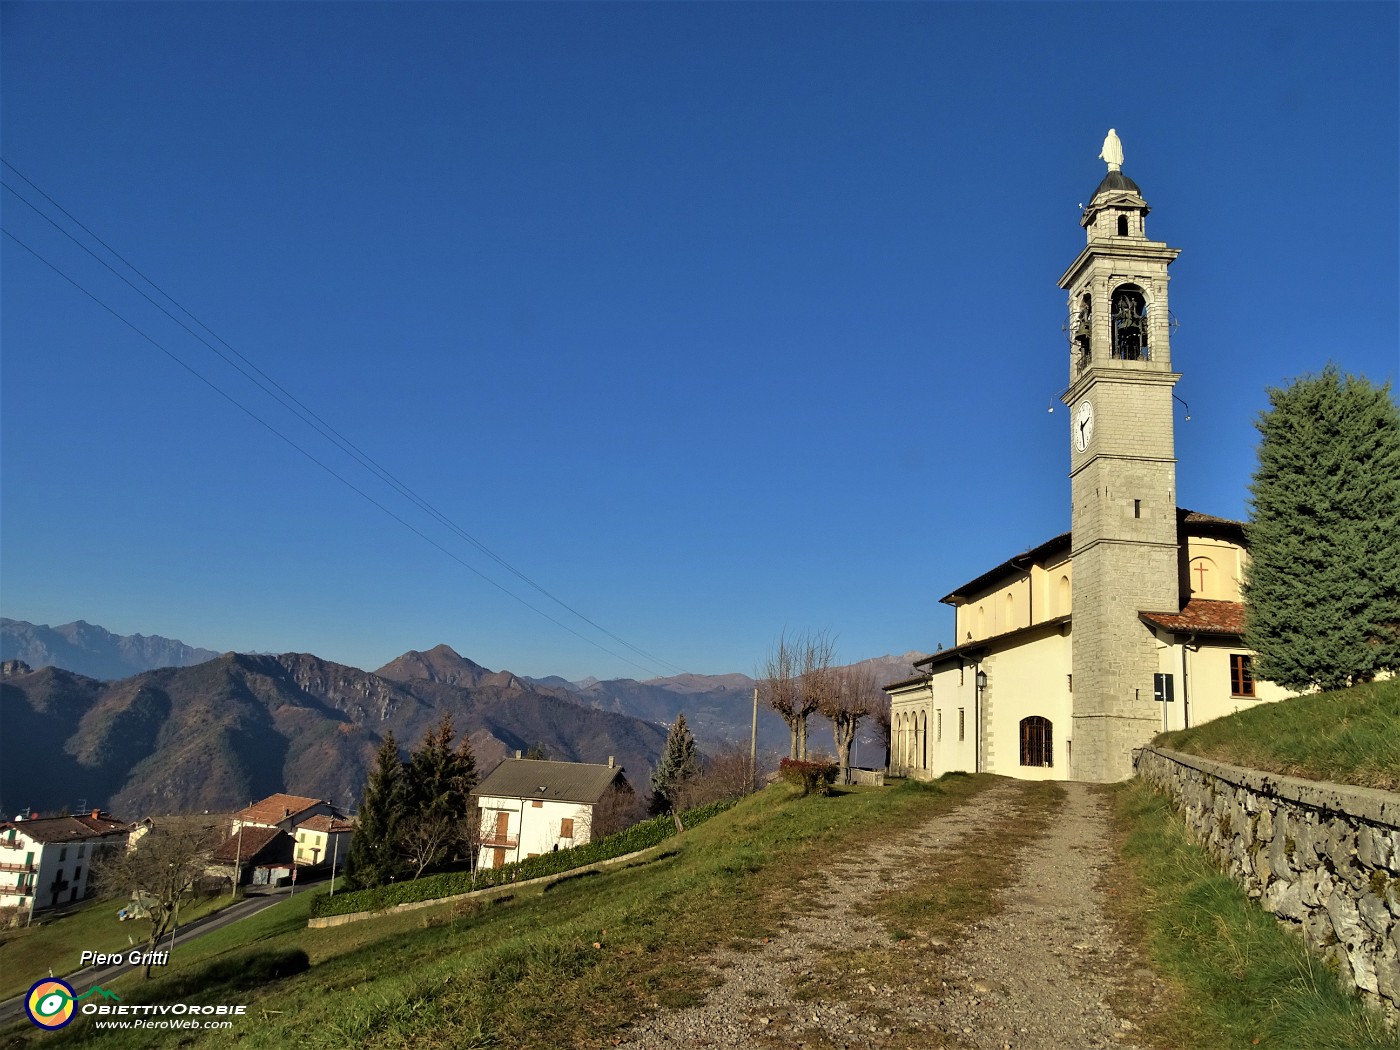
column 1112, row 152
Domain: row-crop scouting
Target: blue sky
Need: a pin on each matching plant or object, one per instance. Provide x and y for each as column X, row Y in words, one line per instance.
column 689, row 312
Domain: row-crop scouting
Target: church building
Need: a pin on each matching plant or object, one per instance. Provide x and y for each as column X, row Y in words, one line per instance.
column 1073, row 653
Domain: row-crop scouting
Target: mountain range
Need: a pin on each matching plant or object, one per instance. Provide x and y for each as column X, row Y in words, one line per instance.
column 219, row 733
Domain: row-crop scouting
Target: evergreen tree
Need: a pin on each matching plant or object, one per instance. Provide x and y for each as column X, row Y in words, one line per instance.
column 440, row 778
column 374, row 856
column 680, row 762
column 1323, row 584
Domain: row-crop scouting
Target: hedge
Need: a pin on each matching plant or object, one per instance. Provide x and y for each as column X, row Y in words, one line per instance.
column 450, row 883
column 813, row 777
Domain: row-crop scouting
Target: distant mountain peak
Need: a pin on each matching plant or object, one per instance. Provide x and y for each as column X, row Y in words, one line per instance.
column 441, row 663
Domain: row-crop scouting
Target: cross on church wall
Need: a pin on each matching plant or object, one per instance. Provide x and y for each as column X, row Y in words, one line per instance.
column 1201, row 569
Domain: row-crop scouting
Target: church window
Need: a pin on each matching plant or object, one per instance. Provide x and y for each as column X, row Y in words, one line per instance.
column 1010, row 611
column 1064, row 595
column 1037, row 742
column 1241, row 675
column 1129, row 315
column 1137, row 508
column 1122, row 226
column 962, row 724
column 981, row 622
column 940, row 723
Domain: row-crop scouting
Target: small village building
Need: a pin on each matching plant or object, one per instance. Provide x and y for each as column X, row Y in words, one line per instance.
column 1072, row 654
column 323, row 840
column 269, row 840
column 287, row 812
column 528, row 807
column 254, row 855
column 46, row 862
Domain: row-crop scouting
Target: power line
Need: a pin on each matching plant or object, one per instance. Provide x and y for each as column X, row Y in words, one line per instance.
column 324, row 466
column 289, row 401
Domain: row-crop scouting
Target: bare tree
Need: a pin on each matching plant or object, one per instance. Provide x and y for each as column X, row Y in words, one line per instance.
column 160, row 871
column 792, row 681
column 617, row 810
column 818, row 682
column 725, row 775
column 428, row 837
column 778, row 684
column 880, row 713
column 852, row 698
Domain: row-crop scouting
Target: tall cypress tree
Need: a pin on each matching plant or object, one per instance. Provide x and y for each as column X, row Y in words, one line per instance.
column 374, row 854
column 680, row 761
column 1323, row 584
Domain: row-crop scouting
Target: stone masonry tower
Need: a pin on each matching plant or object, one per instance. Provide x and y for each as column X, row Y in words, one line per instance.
column 1122, row 473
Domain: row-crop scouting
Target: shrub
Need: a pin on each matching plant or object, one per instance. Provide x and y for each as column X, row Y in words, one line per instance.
column 813, row 776
column 448, row 884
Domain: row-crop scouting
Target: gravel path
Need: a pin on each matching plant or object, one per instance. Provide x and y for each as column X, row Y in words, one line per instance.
column 1035, row 976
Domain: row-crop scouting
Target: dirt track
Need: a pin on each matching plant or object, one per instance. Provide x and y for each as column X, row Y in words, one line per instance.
column 1036, row 976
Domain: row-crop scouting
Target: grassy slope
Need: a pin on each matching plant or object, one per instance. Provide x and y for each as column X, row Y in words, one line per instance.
column 567, row 966
column 1351, row 736
column 1239, row 978
column 57, row 942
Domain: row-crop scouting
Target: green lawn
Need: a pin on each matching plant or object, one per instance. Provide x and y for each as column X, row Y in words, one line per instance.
column 57, row 942
column 1351, row 736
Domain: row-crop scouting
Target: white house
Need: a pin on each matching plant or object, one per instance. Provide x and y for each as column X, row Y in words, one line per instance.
column 529, row 807
column 45, row 862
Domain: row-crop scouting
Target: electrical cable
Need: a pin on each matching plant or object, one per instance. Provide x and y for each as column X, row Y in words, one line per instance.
column 324, row 466
column 289, row 401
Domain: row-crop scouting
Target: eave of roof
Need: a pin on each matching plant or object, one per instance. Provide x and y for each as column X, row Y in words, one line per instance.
column 1201, row 616
column 1018, row 564
column 973, row 651
column 1189, row 522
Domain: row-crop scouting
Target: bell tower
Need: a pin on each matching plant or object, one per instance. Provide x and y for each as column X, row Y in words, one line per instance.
column 1122, row 472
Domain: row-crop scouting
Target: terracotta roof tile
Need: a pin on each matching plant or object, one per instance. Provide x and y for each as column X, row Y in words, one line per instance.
column 256, row 845
column 67, row 829
column 275, row 808
column 1201, row 616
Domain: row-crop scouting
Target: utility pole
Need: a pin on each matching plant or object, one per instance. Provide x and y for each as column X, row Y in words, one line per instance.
column 753, row 742
column 238, row 861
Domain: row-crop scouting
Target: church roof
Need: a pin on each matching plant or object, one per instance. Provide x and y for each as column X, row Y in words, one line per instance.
column 1116, row 180
column 1189, row 522
column 1200, row 616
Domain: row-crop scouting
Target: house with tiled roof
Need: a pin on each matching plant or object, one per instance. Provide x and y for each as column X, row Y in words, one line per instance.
column 528, row 807
column 282, row 811
column 1071, row 655
column 254, row 854
column 46, row 862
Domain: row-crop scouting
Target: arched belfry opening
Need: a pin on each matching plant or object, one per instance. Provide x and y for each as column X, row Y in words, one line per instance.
column 1130, row 324
column 1122, row 226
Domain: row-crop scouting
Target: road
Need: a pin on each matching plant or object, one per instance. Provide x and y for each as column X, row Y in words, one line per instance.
column 257, row 900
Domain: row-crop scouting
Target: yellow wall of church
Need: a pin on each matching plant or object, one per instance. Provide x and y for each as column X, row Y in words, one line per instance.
column 1224, row 564
column 1202, row 684
column 1039, row 594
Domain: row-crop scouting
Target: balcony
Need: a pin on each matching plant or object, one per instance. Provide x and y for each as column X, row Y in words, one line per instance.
column 26, row 869
column 499, row 842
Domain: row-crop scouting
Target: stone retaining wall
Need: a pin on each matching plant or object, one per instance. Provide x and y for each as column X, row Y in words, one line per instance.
column 1322, row 857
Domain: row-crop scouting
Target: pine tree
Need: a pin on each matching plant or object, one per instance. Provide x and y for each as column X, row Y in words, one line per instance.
column 374, row 855
column 440, row 779
column 680, row 762
column 1323, row 584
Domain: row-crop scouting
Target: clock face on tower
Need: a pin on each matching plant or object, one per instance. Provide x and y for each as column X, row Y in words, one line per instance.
column 1083, row 425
